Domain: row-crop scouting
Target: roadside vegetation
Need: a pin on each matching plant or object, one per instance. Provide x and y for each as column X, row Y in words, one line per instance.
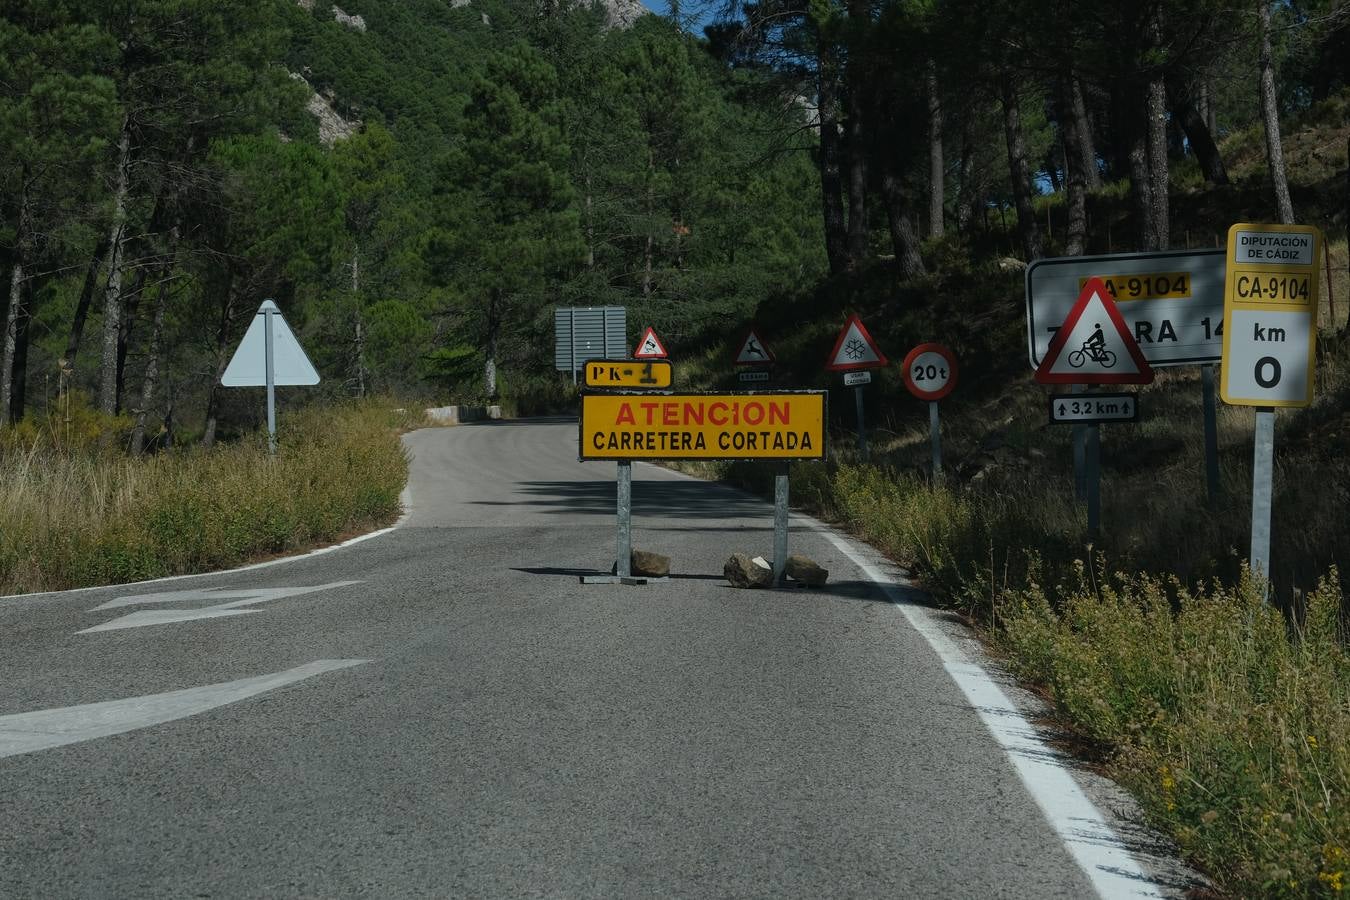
column 78, row 511
column 1226, row 715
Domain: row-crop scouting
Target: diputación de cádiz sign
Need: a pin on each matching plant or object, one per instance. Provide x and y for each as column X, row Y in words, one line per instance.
column 780, row 425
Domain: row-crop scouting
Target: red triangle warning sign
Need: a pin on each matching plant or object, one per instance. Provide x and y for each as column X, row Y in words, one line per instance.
column 649, row 346
column 1094, row 346
column 753, row 352
column 855, row 349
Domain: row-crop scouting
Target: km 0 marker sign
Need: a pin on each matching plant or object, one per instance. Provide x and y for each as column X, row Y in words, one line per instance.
column 750, row 425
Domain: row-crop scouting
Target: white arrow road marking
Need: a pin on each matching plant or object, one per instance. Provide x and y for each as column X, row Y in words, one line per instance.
column 247, row 597
column 47, row 728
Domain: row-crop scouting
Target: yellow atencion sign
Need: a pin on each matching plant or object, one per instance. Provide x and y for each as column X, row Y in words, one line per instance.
column 703, row 426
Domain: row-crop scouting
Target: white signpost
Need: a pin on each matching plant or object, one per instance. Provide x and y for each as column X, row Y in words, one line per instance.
column 269, row 355
column 1270, row 310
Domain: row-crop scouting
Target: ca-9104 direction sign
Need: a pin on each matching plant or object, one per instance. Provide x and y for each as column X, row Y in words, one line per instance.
column 1092, row 409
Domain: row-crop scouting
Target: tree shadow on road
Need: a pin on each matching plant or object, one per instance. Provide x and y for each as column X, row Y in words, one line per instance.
column 668, row 499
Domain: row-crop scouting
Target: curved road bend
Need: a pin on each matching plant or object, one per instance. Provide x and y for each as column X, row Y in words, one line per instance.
column 444, row 710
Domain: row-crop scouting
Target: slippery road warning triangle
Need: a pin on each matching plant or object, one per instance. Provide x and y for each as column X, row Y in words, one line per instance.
column 1094, row 346
column 855, row 349
column 649, row 346
column 753, row 352
column 248, row 366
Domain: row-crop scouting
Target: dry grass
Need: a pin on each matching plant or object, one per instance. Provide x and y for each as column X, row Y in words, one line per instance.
column 74, row 518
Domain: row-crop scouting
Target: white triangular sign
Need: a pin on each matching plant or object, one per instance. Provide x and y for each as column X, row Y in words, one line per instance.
column 1094, row 346
column 753, row 352
column 650, row 346
column 855, row 349
column 248, row 366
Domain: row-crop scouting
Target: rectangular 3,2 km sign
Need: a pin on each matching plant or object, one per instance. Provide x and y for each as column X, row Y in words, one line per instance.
column 1172, row 302
column 744, row 425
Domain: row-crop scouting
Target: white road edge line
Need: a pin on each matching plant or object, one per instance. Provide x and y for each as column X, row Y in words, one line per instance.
column 1084, row 831
column 45, row 729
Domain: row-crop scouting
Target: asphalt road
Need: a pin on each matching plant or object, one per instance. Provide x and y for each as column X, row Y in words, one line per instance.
column 447, row 711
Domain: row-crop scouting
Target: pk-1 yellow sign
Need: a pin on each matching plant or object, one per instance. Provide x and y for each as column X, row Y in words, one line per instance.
column 749, row 425
column 640, row 374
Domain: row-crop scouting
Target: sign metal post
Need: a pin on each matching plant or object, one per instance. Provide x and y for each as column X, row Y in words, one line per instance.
column 1079, row 438
column 936, row 434
column 1263, row 465
column 780, row 524
column 862, row 430
column 1211, row 433
column 271, row 378
column 624, row 551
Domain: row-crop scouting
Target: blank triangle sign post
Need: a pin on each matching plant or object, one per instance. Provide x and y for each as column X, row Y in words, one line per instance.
column 269, row 355
column 248, row 366
column 855, row 349
column 1094, row 345
column 753, row 351
column 649, row 346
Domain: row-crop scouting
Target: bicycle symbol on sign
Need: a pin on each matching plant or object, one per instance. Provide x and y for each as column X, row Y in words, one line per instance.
column 1094, row 348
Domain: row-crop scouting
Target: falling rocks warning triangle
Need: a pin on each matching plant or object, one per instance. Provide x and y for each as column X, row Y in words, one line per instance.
column 649, row 346
column 855, row 349
column 753, row 352
column 1094, row 346
column 248, row 366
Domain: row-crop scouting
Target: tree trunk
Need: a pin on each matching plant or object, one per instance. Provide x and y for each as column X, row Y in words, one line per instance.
column 10, row 339
column 904, row 233
column 857, row 174
column 649, row 248
column 1159, row 180
column 1019, row 172
column 965, row 191
column 18, row 401
column 490, row 347
column 130, row 306
column 1200, row 138
column 590, row 225
column 1134, row 119
column 360, row 342
column 1074, row 176
column 1087, row 153
column 1270, row 117
column 148, row 385
column 112, row 294
column 82, row 306
column 222, row 362
column 17, row 287
column 831, row 182
column 937, row 165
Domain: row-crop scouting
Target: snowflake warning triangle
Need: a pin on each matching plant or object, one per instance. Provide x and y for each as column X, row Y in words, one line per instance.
column 855, row 349
column 753, row 352
column 649, row 346
column 1094, row 346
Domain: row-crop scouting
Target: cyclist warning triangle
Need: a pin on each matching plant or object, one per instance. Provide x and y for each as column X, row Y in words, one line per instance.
column 855, row 349
column 1094, row 346
column 753, row 352
column 649, row 346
